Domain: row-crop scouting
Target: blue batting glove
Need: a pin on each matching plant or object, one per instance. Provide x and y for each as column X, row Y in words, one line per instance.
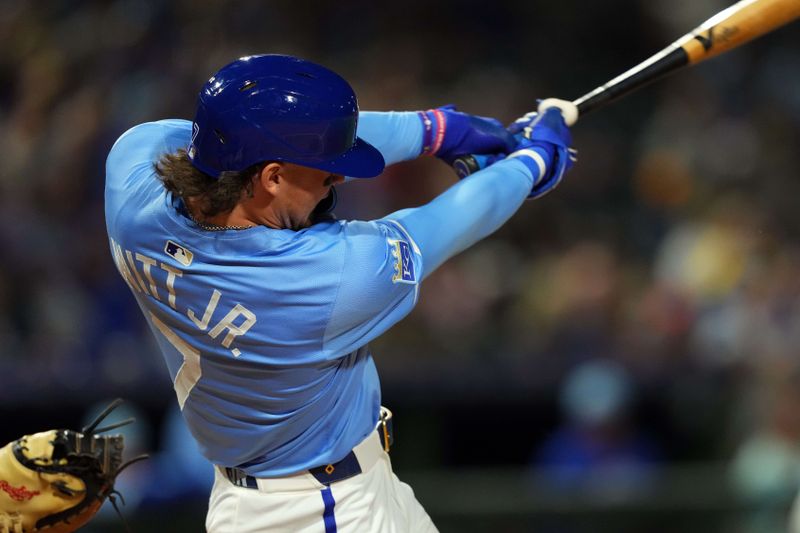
column 471, row 163
column 448, row 134
column 544, row 147
column 516, row 128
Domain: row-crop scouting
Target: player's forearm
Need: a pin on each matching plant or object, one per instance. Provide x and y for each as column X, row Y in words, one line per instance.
column 397, row 134
column 467, row 212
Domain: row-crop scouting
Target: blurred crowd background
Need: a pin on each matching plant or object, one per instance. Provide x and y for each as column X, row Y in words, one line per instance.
column 621, row 356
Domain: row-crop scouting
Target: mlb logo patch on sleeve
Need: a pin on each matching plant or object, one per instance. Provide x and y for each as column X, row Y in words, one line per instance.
column 179, row 253
column 403, row 262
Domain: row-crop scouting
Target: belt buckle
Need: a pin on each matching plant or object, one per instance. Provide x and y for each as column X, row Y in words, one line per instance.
column 384, row 426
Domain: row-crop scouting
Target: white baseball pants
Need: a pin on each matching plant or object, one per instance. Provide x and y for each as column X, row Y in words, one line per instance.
column 373, row 501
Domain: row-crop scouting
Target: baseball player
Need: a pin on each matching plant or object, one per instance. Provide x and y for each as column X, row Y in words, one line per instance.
column 263, row 304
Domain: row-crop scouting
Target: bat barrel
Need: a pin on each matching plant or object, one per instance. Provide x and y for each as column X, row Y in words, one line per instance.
column 743, row 21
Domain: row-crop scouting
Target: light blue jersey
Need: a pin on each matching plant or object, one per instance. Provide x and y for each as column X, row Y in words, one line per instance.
column 265, row 331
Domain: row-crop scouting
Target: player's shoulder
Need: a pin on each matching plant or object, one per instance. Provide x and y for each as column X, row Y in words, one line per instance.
column 138, row 148
column 380, row 228
column 378, row 234
column 383, row 240
column 324, row 238
column 155, row 132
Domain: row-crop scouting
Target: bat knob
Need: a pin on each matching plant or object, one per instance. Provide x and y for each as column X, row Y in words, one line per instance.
column 466, row 165
column 568, row 110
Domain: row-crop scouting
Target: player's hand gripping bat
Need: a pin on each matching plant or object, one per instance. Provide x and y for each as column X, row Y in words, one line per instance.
column 728, row 29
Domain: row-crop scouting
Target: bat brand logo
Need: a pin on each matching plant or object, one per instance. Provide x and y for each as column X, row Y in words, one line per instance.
column 707, row 41
column 178, row 253
column 20, row 493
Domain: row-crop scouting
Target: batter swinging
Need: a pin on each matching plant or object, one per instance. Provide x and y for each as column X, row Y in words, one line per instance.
column 263, row 304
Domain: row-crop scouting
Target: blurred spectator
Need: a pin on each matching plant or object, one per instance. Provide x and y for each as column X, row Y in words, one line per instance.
column 183, row 472
column 766, row 468
column 598, row 448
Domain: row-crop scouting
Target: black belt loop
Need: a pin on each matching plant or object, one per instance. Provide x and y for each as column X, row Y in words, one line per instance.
column 240, row 478
column 385, row 429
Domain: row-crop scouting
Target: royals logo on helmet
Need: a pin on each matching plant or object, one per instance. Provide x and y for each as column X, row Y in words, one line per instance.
column 192, row 150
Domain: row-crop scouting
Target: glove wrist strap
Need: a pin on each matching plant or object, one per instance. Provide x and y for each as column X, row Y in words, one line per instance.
column 534, row 161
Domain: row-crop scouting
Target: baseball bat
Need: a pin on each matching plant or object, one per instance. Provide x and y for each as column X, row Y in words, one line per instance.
column 728, row 29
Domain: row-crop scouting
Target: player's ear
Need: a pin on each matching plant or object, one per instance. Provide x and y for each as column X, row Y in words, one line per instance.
column 270, row 178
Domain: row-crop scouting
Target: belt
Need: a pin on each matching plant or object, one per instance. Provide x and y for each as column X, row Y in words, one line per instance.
column 358, row 460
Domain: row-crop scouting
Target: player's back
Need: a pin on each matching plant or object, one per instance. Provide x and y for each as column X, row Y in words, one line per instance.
column 240, row 316
column 243, row 319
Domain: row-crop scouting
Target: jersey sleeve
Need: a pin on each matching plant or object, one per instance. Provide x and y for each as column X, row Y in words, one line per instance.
column 379, row 284
column 397, row 135
column 143, row 145
column 467, row 212
column 130, row 176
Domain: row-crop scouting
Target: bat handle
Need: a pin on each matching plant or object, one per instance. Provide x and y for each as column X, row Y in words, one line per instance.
column 469, row 164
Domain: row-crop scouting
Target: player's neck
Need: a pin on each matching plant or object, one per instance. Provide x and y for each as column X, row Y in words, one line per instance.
column 259, row 210
column 264, row 209
column 244, row 216
column 231, row 219
column 236, row 218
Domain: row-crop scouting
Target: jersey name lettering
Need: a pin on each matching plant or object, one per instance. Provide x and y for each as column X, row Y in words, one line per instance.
column 235, row 323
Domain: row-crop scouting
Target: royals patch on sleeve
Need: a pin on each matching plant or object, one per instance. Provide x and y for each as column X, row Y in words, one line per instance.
column 403, row 262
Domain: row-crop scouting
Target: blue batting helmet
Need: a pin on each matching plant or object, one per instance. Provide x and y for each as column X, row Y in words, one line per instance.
column 282, row 108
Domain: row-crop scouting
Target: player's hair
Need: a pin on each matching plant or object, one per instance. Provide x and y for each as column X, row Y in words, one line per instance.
column 212, row 196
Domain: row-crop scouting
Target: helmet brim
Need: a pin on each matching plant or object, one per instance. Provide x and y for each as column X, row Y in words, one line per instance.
column 361, row 161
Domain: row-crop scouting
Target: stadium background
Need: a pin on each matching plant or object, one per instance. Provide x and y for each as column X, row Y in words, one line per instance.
column 621, row 356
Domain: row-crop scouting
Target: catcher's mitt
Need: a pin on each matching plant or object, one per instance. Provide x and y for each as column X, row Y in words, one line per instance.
column 57, row 480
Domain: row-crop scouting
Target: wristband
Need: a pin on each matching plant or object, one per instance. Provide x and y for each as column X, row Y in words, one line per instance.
column 433, row 127
column 427, row 132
